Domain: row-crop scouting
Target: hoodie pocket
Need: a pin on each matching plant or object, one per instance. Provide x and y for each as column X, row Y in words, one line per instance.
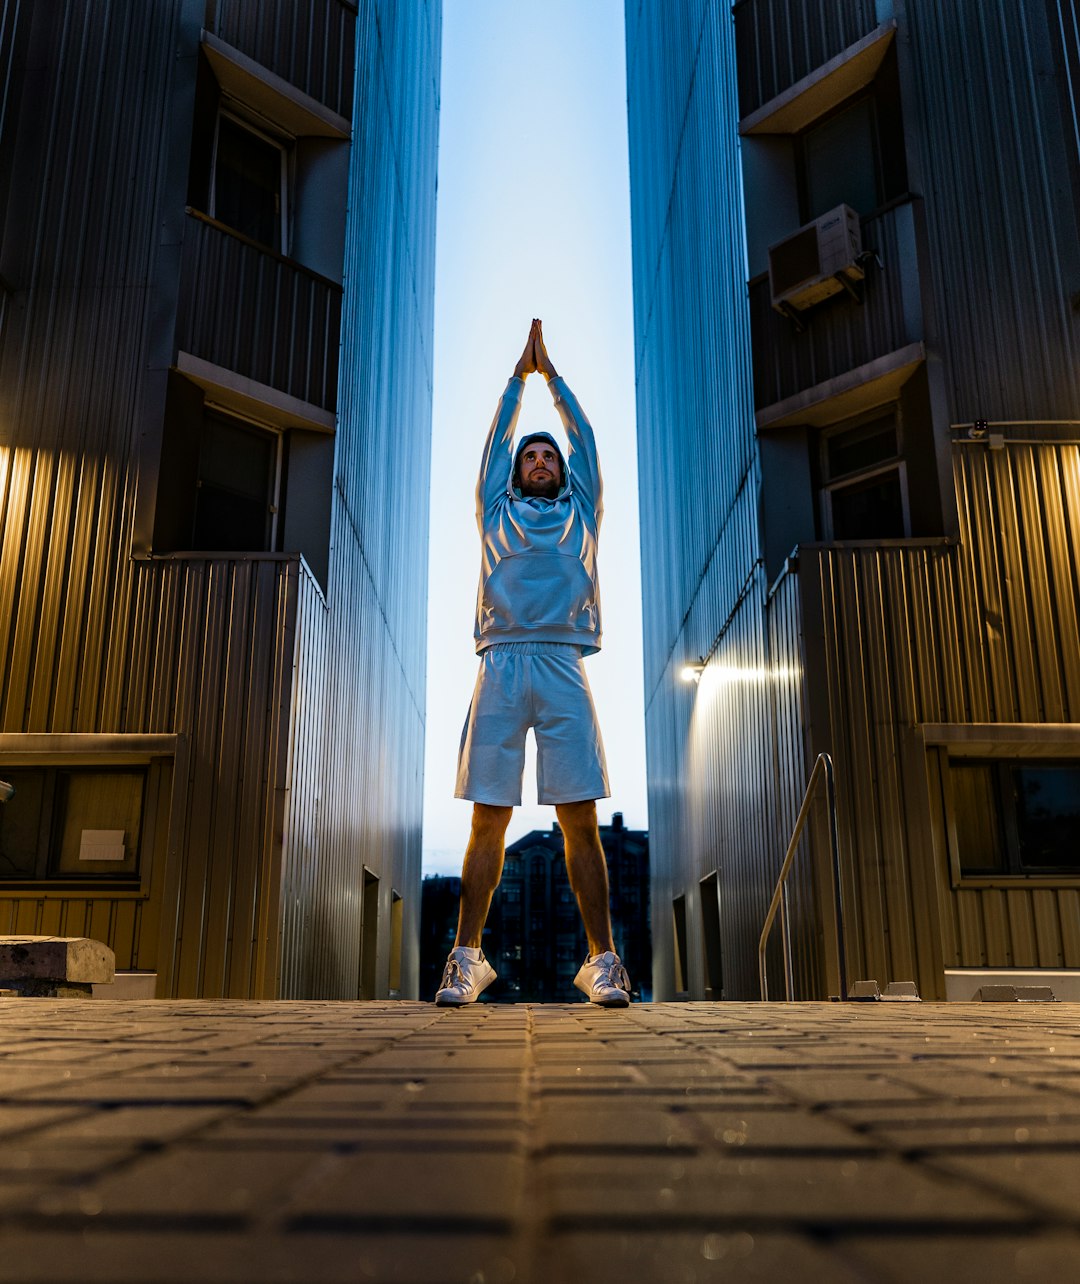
column 539, row 590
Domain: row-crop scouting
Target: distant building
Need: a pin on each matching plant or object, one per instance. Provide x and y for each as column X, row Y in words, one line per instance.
column 534, row 937
column 856, row 246
column 216, row 284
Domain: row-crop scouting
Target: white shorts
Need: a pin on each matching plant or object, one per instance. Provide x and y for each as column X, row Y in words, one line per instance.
column 541, row 685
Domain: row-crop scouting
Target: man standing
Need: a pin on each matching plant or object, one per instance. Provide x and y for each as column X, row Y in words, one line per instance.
column 537, row 616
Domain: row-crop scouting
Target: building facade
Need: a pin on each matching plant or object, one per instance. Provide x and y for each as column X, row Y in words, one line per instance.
column 217, row 224
column 534, row 937
column 868, row 527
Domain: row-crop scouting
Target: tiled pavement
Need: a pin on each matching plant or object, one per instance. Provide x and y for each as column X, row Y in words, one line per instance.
column 689, row 1142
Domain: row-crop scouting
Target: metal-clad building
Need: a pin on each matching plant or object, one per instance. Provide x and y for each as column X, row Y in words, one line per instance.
column 873, row 541
column 212, row 507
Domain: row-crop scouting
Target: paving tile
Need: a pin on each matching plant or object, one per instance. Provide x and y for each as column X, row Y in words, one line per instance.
column 147, row 1123
column 981, row 1135
column 986, row 1257
column 136, row 1255
column 783, row 1191
column 785, row 1129
column 433, row 1189
column 838, row 1088
column 560, row 1129
column 1049, row 1180
column 691, row 1256
column 24, row 1118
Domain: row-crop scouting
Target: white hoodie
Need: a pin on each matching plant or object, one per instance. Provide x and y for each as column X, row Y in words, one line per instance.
column 538, row 556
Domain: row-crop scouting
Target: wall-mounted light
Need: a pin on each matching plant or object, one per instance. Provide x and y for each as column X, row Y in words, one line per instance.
column 692, row 672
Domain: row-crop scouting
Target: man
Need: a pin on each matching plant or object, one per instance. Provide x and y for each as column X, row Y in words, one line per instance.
column 537, row 615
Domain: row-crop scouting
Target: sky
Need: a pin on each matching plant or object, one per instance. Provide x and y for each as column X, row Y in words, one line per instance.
column 533, row 220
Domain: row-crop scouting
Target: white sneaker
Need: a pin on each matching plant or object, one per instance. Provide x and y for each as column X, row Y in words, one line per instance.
column 603, row 978
column 465, row 978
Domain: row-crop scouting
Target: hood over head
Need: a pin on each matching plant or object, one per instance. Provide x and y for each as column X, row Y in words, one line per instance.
column 564, row 476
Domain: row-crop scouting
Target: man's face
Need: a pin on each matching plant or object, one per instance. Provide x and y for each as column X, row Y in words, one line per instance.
column 538, row 470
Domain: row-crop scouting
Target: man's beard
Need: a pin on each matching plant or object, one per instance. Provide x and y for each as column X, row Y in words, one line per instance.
column 541, row 489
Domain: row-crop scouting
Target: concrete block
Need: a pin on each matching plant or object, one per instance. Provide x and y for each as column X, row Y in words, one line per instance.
column 64, row 962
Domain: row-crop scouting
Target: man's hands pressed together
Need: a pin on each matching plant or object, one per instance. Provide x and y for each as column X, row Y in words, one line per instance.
column 535, row 355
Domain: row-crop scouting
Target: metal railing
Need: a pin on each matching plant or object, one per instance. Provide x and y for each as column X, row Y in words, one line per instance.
column 823, row 770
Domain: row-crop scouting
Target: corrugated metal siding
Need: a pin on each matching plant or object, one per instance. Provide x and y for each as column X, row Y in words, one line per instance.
column 864, row 643
column 92, row 640
column 258, row 314
column 370, row 785
column 781, row 41
column 87, row 166
column 1001, row 218
column 703, row 586
column 985, row 632
column 1065, row 33
column 309, row 43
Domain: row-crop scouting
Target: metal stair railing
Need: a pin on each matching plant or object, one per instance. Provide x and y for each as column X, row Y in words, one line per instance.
column 823, row 770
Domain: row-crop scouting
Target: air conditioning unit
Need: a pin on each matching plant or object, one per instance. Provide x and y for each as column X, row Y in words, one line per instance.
column 819, row 260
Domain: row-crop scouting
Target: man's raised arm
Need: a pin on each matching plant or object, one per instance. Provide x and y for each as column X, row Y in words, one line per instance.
column 498, row 454
column 583, row 459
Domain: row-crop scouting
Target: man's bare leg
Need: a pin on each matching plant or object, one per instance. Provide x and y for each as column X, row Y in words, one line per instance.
column 481, row 870
column 587, row 868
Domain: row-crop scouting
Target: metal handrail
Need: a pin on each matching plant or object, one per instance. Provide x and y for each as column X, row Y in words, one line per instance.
column 823, row 769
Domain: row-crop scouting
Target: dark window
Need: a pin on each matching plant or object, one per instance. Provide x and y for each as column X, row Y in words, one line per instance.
column 864, row 484
column 236, row 491
column 855, row 155
column 247, row 185
column 839, row 161
column 1016, row 817
column 72, row 823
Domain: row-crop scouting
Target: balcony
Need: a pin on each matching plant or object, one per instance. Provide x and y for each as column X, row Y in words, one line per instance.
column 778, row 42
column 309, row 43
column 842, row 335
column 249, row 310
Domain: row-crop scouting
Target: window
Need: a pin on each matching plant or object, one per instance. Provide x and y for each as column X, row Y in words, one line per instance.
column 72, row 823
column 864, row 482
column 839, row 162
column 1016, row 818
column 239, row 478
column 248, row 182
column 855, row 155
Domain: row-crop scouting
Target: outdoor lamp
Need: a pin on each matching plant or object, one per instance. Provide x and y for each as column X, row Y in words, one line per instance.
column 7, row 792
column 692, row 672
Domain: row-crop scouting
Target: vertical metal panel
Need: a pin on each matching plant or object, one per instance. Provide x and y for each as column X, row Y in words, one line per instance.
column 309, row 43
column 234, row 652
column 893, row 634
column 709, row 804
column 987, row 140
column 781, row 41
column 360, row 798
column 985, row 628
